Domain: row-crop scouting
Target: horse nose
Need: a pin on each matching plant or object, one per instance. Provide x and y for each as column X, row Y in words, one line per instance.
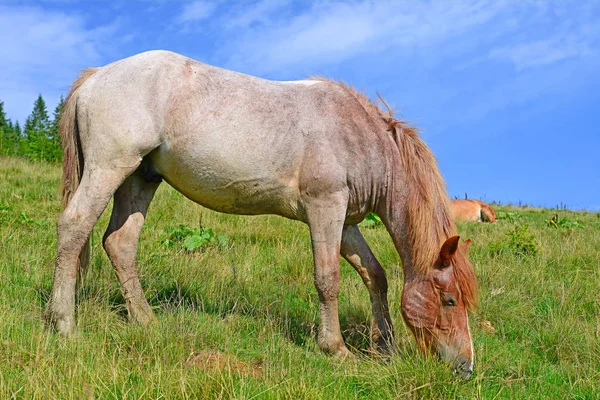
column 464, row 368
column 465, row 374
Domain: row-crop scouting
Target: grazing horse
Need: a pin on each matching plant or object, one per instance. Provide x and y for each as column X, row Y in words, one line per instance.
column 314, row 150
column 472, row 210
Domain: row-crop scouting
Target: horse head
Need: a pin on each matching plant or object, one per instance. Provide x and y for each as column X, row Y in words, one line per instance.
column 435, row 306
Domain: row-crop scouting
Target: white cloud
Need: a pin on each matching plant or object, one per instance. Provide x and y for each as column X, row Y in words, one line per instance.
column 197, row 11
column 36, row 35
column 548, row 51
column 262, row 12
column 551, row 33
column 334, row 32
column 43, row 51
column 267, row 37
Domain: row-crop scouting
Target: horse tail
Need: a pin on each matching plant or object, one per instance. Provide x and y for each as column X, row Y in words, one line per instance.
column 73, row 154
column 69, row 138
column 487, row 212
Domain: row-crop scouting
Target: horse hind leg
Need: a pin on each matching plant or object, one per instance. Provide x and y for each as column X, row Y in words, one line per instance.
column 121, row 239
column 74, row 227
column 356, row 251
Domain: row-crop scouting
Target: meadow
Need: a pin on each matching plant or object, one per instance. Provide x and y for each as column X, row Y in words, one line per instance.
column 237, row 310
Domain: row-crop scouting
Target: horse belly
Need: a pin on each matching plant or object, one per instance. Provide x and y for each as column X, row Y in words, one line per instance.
column 229, row 187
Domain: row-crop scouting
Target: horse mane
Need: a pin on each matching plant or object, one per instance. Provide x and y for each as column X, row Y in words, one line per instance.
column 429, row 217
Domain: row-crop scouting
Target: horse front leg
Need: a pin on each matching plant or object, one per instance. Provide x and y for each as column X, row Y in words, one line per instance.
column 356, row 251
column 326, row 220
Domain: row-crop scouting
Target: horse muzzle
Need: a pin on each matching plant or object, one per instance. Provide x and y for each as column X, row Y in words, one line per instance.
column 464, row 368
column 463, row 365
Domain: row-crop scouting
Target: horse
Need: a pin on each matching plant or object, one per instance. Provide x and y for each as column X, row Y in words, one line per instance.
column 472, row 210
column 313, row 150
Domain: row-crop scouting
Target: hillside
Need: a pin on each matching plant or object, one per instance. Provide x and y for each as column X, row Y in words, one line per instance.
column 237, row 309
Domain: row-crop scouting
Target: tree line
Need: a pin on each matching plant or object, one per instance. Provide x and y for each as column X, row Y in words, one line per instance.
column 38, row 139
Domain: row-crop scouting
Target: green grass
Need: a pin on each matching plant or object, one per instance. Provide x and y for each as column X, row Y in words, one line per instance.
column 250, row 303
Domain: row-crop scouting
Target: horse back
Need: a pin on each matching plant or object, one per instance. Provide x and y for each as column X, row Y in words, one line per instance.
column 231, row 141
column 466, row 210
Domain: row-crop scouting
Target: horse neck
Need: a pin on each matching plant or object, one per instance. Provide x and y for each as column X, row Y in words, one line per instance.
column 417, row 237
column 393, row 212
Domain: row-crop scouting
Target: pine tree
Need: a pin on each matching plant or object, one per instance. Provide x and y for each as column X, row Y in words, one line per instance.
column 36, row 141
column 3, row 129
column 17, row 130
column 54, row 136
column 14, row 137
column 8, row 138
column 3, row 121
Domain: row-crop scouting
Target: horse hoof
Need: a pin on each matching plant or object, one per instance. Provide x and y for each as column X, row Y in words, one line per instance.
column 343, row 354
column 64, row 326
column 382, row 349
column 140, row 314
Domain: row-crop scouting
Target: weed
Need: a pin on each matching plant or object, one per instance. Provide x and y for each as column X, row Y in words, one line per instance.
column 518, row 241
column 194, row 239
column 372, row 220
column 28, row 220
column 563, row 222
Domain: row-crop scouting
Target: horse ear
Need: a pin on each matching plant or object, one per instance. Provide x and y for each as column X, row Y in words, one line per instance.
column 449, row 248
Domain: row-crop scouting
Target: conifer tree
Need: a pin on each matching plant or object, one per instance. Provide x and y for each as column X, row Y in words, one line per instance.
column 36, row 142
column 3, row 129
column 9, row 139
column 3, row 121
column 17, row 131
column 40, row 138
column 14, row 137
column 54, row 136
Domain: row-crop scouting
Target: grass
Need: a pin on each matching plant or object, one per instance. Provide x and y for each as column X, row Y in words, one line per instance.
column 238, row 319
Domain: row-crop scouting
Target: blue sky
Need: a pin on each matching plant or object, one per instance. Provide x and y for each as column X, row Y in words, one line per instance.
column 506, row 93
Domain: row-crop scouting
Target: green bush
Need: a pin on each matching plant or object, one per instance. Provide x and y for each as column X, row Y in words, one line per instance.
column 507, row 216
column 518, row 241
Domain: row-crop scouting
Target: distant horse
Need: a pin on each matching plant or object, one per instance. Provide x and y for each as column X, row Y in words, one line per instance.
column 313, row 150
column 472, row 210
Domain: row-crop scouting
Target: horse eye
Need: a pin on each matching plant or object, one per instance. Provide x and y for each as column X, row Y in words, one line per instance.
column 448, row 300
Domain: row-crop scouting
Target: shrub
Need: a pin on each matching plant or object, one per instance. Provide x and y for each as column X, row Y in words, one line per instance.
column 518, row 241
column 507, row 216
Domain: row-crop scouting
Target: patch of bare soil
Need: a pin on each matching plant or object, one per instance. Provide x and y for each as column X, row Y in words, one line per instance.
column 212, row 360
column 487, row 327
